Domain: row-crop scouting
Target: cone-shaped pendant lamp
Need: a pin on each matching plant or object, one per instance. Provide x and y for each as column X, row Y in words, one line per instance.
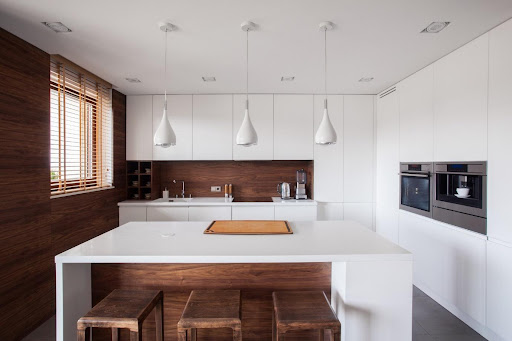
column 247, row 135
column 164, row 135
column 325, row 133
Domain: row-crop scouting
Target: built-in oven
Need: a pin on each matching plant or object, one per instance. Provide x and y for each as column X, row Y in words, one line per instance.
column 460, row 195
column 416, row 188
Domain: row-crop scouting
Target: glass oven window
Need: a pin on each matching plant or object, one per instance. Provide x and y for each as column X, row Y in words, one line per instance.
column 416, row 192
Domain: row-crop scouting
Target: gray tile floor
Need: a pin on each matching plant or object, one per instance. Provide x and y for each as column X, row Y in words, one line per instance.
column 431, row 322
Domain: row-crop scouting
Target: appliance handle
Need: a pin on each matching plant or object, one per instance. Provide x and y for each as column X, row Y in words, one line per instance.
column 415, row 175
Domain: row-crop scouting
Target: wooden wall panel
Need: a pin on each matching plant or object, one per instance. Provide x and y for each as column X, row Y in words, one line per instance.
column 256, row 282
column 250, row 179
column 34, row 228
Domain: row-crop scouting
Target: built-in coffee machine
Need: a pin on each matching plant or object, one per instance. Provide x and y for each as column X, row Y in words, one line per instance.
column 461, row 194
column 300, row 192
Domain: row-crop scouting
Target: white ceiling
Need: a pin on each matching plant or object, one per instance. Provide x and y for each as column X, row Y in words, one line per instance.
column 116, row 39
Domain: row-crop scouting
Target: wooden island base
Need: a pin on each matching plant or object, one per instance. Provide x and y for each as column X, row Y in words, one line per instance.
column 256, row 282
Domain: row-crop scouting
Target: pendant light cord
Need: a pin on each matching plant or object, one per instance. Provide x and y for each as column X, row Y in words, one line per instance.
column 165, row 71
column 325, row 62
column 247, row 68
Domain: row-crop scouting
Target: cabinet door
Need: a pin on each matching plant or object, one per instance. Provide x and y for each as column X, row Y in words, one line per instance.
column 139, row 128
column 460, row 103
column 131, row 213
column 252, row 213
column 359, row 212
column 203, row 213
column 327, row 211
column 293, row 127
column 417, row 116
column 499, row 295
column 500, row 137
column 212, row 124
column 387, row 186
column 167, row 213
column 261, row 110
column 296, row 213
column 449, row 261
column 358, row 149
column 179, row 111
column 329, row 158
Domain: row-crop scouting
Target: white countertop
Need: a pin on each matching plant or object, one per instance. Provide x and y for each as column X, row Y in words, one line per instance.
column 184, row 242
column 215, row 201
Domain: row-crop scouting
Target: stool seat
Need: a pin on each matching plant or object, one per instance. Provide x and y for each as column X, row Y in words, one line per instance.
column 211, row 309
column 123, row 309
column 302, row 310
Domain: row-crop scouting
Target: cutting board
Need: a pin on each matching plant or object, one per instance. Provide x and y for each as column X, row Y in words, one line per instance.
column 249, row 227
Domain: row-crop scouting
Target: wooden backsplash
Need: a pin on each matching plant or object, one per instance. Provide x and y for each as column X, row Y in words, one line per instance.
column 250, row 179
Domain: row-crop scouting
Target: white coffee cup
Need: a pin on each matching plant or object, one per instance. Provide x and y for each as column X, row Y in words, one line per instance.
column 463, row 191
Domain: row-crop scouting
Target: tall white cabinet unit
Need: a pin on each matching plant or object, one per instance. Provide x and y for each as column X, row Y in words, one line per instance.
column 358, row 153
column 212, row 127
column 460, row 103
column 261, row 109
column 293, row 127
column 417, row 116
column 179, row 112
column 139, row 129
column 387, row 169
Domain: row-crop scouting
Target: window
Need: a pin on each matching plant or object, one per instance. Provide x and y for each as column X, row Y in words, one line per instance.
column 81, row 129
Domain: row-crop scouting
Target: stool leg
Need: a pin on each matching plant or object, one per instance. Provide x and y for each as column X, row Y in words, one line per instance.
column 273, row 326
column 83, row 334
column 237, row 334
column 115, row 334
column 321, row 335
column 193, row 334
column 280, row 336
column 135, row 335
column 182, row 334
column 335, row 335
column 159, row 319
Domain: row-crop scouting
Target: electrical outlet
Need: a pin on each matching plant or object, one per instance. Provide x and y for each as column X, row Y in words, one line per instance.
column 215, row 188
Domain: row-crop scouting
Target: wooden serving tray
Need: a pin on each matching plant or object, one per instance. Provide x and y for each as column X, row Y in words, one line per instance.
column 249, row 227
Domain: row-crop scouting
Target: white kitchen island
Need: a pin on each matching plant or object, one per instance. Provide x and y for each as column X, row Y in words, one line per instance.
column 370, row 277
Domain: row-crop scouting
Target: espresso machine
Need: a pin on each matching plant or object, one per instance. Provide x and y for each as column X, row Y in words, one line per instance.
column 300, row 191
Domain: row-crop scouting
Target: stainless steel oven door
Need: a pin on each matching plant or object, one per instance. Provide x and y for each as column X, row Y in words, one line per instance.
column 416, row 193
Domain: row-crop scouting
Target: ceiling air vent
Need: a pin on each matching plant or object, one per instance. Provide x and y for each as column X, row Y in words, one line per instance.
column 57, row 27
column 435, row 27
column 387, row 92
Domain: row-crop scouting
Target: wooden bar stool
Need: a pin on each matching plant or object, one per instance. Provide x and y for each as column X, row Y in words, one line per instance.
column 211, row 309
column 124, row 309
column 302, row 310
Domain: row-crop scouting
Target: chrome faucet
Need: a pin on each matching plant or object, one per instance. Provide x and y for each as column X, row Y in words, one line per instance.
column 182, row 188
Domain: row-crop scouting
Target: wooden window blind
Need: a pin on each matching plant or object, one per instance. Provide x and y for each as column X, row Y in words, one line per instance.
column 81, row 124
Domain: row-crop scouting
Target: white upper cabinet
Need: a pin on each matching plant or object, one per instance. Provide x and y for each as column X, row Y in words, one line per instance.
column 329, row 158
column 358, row 149
column 261, row 111
column 293, row 127
column 139, row 130
column 212, row 127
column 460, row 103
column 179, row 111
column 499, row 224
column 417, row 117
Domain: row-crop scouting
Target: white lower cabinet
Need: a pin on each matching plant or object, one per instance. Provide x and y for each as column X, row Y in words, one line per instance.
column 131, row 213
column 359, row 212
column 329, row 211
column 296, row 213
column 252, row 213
column 167, row 213
column 209, row 213
column 449, row 264
column 499, row 295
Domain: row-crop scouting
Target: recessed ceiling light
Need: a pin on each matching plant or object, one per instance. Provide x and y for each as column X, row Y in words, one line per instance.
column 366, row 79
column 209, row 79
column 287, row 78
column 58, row 27
column 133, row 80
column 436, row 27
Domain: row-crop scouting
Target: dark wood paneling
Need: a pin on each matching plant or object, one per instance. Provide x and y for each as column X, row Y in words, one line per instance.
column 34, row 228
column 256, row 282
column 250, row 179
column 26, row 289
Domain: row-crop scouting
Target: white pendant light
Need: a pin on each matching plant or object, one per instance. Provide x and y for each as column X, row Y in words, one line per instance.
column 247, row 135
column 164, row 135
column 326, row 133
